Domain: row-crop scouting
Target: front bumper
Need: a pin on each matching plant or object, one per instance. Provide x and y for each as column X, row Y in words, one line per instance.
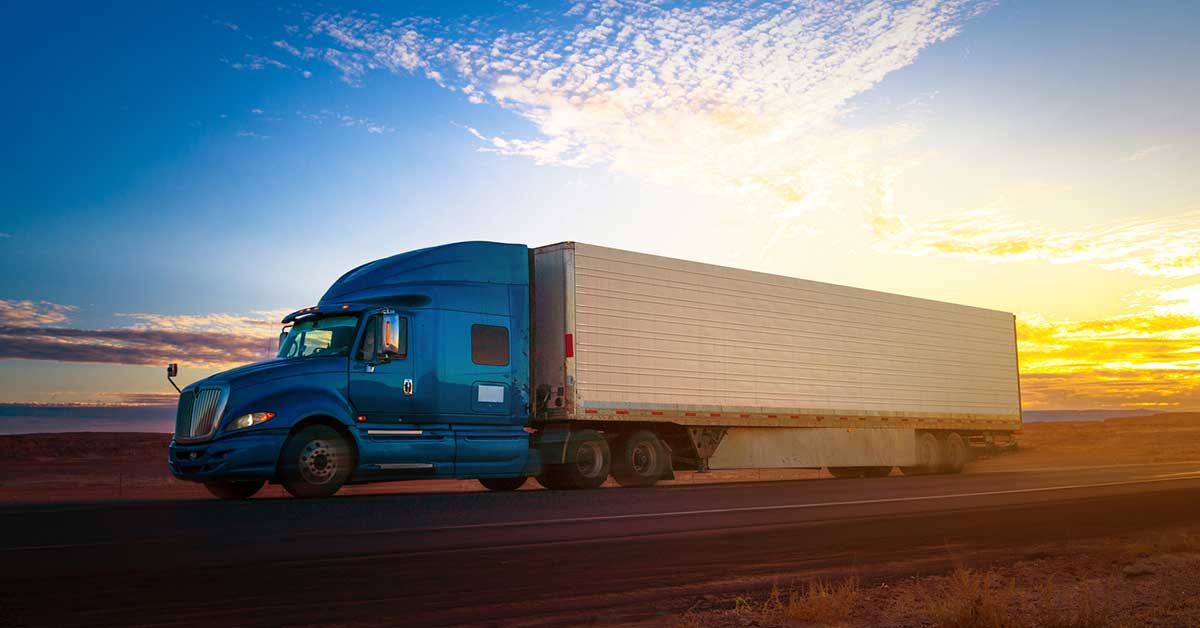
column 243, row 457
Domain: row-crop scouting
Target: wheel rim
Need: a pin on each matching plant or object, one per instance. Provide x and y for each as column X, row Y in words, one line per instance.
column 645, row 458
column 589, row 459
column 318, row 462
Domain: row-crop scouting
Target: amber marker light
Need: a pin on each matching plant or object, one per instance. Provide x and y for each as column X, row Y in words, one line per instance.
column 360, row 418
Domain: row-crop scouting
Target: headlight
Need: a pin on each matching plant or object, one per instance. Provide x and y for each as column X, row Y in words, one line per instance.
column 247, row 420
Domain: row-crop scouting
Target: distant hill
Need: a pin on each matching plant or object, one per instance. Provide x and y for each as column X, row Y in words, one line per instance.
column 1050, row 416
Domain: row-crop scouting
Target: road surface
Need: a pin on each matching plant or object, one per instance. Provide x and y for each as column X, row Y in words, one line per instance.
column 537, row 557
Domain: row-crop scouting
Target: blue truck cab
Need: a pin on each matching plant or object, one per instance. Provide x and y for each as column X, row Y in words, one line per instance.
column 413, row 366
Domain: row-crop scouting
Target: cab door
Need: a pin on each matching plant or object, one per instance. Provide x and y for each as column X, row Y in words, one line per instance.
column 393, row 438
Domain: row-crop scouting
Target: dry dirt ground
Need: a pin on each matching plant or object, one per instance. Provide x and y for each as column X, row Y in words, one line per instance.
column 110, row 466
column 1152, row 579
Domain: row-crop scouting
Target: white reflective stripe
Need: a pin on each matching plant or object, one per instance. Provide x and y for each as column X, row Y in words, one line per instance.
column 395, row 432
column 407, row 465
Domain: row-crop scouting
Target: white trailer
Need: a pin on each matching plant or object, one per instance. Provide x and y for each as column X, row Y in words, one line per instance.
column 706, row 367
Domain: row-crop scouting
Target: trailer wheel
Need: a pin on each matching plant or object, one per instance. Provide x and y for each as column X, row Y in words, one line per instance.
column 317, row 461
column 954, row 454
column 503, row 484
column 928, row 456
column 637, row 459
column 234, row 490
column 587, row 465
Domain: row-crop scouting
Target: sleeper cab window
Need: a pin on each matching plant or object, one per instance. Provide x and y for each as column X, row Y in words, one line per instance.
column 489, row 345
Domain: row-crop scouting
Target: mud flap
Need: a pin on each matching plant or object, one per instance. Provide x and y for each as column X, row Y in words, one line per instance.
column 668, row 466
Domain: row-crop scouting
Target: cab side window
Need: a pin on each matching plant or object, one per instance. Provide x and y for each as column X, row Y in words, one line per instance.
column 366, row 350
column 489, row 345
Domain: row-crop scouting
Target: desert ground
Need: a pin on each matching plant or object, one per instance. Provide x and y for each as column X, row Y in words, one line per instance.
column 1138, row 575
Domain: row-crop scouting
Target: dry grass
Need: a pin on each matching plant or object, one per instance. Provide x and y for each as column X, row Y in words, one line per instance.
column 823, row 601
column 971, row 599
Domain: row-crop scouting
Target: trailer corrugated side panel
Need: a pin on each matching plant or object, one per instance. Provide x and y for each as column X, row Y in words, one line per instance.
column 670, row 340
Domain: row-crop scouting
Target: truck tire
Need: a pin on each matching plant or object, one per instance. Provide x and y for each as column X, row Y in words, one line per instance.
column 637, row 459
column 929, row 454
column 587, row 465
column 954, row 454
column 234, row 490
column 316, row 462
column 503, row 484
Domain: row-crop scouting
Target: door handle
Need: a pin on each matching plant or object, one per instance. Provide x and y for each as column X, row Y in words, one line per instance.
column 408, row 387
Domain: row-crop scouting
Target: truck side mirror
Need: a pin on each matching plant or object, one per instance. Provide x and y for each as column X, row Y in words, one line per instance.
column 282, row 337
column 392, row 337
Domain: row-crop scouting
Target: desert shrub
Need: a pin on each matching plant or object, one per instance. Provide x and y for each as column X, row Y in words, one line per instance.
column 822, row 601
column 970, row 599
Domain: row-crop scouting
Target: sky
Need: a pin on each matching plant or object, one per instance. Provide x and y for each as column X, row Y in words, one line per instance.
column 176, row 177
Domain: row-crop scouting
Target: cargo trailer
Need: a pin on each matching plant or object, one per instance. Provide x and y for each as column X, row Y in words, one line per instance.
column 571, row 363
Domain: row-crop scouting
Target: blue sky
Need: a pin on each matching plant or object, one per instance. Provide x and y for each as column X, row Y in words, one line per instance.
column 199, row 168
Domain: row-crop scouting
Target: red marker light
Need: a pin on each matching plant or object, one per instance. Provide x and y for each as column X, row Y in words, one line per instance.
column 569, row 345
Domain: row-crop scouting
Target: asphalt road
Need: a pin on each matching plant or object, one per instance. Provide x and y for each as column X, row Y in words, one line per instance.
column 537, row 557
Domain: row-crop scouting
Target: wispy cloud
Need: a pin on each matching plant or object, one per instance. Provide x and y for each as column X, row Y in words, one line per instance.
column 253, row 62
column 1158, row 246
column 1143, row 153
column 345, row 120
column 1146, row 358
column 744, row 98
column 23, row 313
column 38, row 331
column 257, row 136
column 5, row 235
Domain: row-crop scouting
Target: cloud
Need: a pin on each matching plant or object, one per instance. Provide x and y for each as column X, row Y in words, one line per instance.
column 5, row 235
column 1148, row 358
column 1143, row 153
column 17, row 313
column 213, row 340
column 253, row 62
column 257, row 136
column 340, row 119
column 1158, row 246
column 724, row 96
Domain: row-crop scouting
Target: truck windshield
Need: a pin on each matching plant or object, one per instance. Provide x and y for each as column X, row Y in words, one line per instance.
column 329, row 336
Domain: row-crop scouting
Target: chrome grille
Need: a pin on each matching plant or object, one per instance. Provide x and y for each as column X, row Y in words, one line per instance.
column 183, row 415
column 204, row 412
column 198, row 413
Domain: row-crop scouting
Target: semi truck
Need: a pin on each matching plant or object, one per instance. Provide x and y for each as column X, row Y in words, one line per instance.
column 573, row 363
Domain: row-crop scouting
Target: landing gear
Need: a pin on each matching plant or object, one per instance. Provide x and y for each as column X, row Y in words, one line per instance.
column 317, row 461
column 234, row 490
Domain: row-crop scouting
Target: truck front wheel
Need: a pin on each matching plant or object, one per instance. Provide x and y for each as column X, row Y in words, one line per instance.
column 234, row 490
column 638, row 459
column 316, row 462
column 503, row 484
